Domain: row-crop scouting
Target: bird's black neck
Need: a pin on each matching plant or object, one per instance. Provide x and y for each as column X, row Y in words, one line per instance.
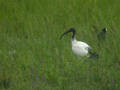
column 104, row 30
column 74, row 33
column 70, row 30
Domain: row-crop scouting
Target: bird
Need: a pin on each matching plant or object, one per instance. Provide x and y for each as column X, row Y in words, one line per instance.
column 80, row 48
column 102, row 35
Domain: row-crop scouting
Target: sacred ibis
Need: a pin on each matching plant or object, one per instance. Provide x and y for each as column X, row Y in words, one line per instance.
column 78, row 47
column 102, row 35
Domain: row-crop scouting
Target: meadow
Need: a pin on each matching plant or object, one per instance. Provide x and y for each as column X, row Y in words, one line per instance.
column 33, row 58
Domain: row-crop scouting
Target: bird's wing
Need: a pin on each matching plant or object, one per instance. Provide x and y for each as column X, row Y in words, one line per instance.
column 85, row 45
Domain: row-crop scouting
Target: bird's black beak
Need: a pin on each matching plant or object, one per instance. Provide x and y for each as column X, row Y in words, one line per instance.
column 70, row 30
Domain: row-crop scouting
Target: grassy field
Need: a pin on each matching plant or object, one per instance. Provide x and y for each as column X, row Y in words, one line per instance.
column 33, row 58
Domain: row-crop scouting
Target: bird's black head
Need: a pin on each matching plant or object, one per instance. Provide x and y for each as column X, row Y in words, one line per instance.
column 104, row 30
column 70, row 30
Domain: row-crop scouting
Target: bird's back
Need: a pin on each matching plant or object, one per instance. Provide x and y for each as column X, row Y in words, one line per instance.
column 80, row 48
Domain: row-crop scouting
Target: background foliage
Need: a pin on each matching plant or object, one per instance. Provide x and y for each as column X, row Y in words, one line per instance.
column 33, row 58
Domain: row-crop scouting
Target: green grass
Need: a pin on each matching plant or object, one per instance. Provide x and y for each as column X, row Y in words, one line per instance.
column 33, row 58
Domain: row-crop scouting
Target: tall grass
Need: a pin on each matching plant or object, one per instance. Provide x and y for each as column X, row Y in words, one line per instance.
column 33, row 58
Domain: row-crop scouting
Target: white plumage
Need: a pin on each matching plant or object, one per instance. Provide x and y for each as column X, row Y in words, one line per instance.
column 79, row 48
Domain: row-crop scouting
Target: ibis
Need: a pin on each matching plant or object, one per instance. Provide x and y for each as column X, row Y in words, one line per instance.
column 78, row 47
column 101, row 35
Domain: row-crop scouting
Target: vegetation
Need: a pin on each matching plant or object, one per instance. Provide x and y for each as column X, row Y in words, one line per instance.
column 33, row 58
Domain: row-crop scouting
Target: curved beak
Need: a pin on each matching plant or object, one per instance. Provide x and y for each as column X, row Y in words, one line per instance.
column 64, row 34
column 70, row 30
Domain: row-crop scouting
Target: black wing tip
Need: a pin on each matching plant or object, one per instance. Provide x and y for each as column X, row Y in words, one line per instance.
column 94, row 55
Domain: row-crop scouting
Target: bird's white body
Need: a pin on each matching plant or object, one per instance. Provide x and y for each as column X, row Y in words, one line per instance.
column 80, row 48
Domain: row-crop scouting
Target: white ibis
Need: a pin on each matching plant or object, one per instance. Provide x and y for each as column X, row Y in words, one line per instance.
column 79, row 48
